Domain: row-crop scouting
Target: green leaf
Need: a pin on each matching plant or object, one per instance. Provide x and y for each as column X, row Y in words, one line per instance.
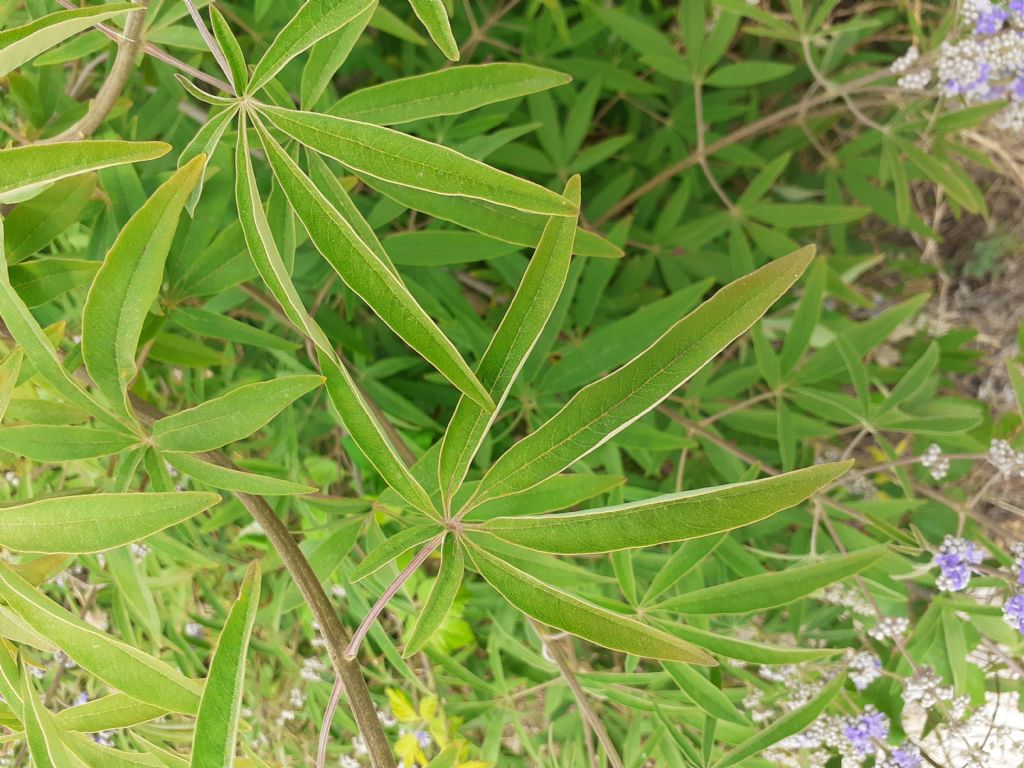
column 787, row 725
column 506, row 224
column 42, row 280
column 673, row 517
column 41, row 733
column 232, row 52
column 557, row 609
column 115, row 710
column 365, row 273
column 21, row 44
column 231, row 417
column 721, row 643
column 393, row 547
column 229, row 479
column 95, row 522
column 264, row 252
column 125, row 668
column 434, row 17
column 510, row 347
column 451, row 91
column 412, row 162
column 805, row 319
column 203, row 322
column 602, row 409
column 217, row 720
column 363, row 425
column 33, row 224
column 328, row 55
column 205, row 143
column 747, row 73
column 442, row 596
column 789, row 215
column 769, row 590
column 10, row 369
column 315, row 20
column 63, row 443
column 705, row 694
column 128, row 283
column 24, row 170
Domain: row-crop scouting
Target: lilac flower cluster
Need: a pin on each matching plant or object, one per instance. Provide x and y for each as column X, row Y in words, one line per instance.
column 864, row 731
column 985, row 65
column 954, row 559
column 1013, row 612
column 907, row 756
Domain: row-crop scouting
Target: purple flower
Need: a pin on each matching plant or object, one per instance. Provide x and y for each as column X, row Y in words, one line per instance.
column 905, row 757
column 991, row 20
column 1017, row 6
column 954, row 559
column 862, row 732
column 424, row 739
column 1013, row 612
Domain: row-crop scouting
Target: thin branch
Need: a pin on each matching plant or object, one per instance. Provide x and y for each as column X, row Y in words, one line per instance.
column 212, row 44
column 128, row 48
column 158, row 53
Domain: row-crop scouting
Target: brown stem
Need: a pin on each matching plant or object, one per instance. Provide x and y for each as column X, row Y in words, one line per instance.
column 128, row 48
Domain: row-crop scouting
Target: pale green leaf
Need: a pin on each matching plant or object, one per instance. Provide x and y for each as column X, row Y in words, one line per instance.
column 449, row 91
column 217, row 721
column 603, row 409
column 393, row 547
column 97, row 521
column 41, row 733
column 315, row 20
column 558, row 609
column 365, row 273
column 434, row 17
column 412, row 162
column 673, row 517
column 21, row 44
column 770, row 590
column 232, row 416
column 27, row 168
column 128, row 283
column 510, row 346
column 123, row 667
column 442, row 596
column 10, row 369
column 230, row 479
column 53, row 443
column 115, row 710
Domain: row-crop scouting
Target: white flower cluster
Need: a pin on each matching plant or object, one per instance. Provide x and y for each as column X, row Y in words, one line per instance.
column 925, row 688
column 296, row 701
column 847, row 597
column 985, row 64
column 865, row 668
column 936, row 464
column 1008, row 461
column 889, row 628
column 311, row 670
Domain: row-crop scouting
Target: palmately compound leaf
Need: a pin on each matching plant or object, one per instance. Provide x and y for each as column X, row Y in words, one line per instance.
column 24, row 169
column 442, row 596
column 558, row 609
column 42, row 734
column 449, row 91
column 673, row 517
column 95, row 522
column 123, row 667
column 603, row 409
column 129, row 282
column 364, row 272
column 315, row 20
column 412, row 162
column 217, row 721
column 21, row 44
column 233, row 416
column 511, row 345
column 770, row 590
column 434, row 17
